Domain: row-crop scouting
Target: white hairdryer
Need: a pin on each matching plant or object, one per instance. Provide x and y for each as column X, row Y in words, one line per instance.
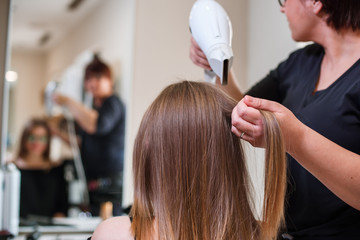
column 211, row 28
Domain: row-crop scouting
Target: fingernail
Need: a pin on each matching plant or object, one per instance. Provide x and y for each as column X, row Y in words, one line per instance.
column 248, row 98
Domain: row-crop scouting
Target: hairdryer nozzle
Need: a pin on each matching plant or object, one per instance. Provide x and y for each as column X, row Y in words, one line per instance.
column 225, row 75
column 220, row 59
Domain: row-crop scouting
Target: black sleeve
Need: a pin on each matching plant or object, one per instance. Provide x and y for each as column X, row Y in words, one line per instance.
column 267, row 88
column 276, row 84
column 109, row 115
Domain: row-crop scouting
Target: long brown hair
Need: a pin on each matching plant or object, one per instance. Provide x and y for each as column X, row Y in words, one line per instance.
column 29, row 126
column 190, row 173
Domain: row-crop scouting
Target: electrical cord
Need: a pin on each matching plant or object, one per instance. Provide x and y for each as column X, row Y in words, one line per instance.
column 51, row 87
column 79, row 167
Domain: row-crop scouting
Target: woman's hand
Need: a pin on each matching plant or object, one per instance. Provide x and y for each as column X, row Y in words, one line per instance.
column 61, row 99
column 336, row 167
column 53, row 123
column 247, row 121
column 197, row 56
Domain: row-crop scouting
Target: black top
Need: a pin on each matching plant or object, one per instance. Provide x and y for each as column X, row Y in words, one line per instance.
column 43, row 192
column 313, row 211
column 103, row 151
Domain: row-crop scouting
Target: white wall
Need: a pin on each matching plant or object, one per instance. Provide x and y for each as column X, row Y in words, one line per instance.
column 108, row 30
column 268, row 43
column 269, row 38
column 26, row 96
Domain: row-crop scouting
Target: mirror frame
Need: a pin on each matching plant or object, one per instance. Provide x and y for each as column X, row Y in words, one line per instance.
column 5, row 22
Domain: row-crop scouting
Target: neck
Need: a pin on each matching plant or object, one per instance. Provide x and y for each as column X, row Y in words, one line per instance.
column 34, row 158
column 98, row 101
column 342, row 50
column 33, row 161
column 341, row 45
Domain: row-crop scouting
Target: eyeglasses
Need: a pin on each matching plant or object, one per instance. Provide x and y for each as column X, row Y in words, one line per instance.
column 33, row 138
column 282, row 2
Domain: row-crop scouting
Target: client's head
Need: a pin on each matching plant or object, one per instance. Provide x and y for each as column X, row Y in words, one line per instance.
column 35, row 139
column 189, row 169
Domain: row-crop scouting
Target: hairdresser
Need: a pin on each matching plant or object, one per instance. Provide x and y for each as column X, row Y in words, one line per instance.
column 102, row 136
column 315, row 94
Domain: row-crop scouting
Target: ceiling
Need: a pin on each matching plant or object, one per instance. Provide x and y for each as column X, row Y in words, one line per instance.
column 41, row 24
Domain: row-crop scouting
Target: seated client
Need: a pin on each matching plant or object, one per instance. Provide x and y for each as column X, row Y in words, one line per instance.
column 190, row 175
column 43, row 186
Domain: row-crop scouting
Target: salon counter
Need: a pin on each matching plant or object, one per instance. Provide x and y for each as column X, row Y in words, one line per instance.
column 62, row 229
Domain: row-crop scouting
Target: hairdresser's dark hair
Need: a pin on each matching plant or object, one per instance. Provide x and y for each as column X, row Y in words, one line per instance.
column 29, row 126
column 342, row 13
column 190, row 172
column 97, row 68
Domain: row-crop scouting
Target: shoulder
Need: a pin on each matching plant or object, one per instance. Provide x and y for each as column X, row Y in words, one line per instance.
column 313, row 49
column 309, row 50
column 112, row 107
column 57, row 165
column 116, row 228
column 24, row 165
column 114, row 100
column 304, row 58
column 19, row 163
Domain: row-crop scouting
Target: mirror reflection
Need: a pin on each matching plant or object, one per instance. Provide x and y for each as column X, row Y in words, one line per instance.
column 67, row 106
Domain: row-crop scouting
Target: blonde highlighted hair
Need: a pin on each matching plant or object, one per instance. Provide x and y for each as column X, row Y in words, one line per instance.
column 190, row 175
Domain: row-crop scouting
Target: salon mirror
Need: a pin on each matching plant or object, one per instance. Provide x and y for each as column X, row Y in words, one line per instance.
column 51, row 41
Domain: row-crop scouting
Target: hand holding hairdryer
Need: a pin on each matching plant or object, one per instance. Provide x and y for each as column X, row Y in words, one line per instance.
column 211, row 28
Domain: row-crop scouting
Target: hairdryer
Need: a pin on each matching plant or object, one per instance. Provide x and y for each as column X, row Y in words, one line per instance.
column 211, row 28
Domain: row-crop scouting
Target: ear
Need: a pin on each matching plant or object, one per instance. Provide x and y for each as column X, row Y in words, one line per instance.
column 317, row 6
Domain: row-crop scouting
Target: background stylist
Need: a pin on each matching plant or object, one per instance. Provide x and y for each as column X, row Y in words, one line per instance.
column 102, row 136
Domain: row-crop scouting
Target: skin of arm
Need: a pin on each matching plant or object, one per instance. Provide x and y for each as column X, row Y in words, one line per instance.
column 84, row 116
column 336, row 167
column 232, row 88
